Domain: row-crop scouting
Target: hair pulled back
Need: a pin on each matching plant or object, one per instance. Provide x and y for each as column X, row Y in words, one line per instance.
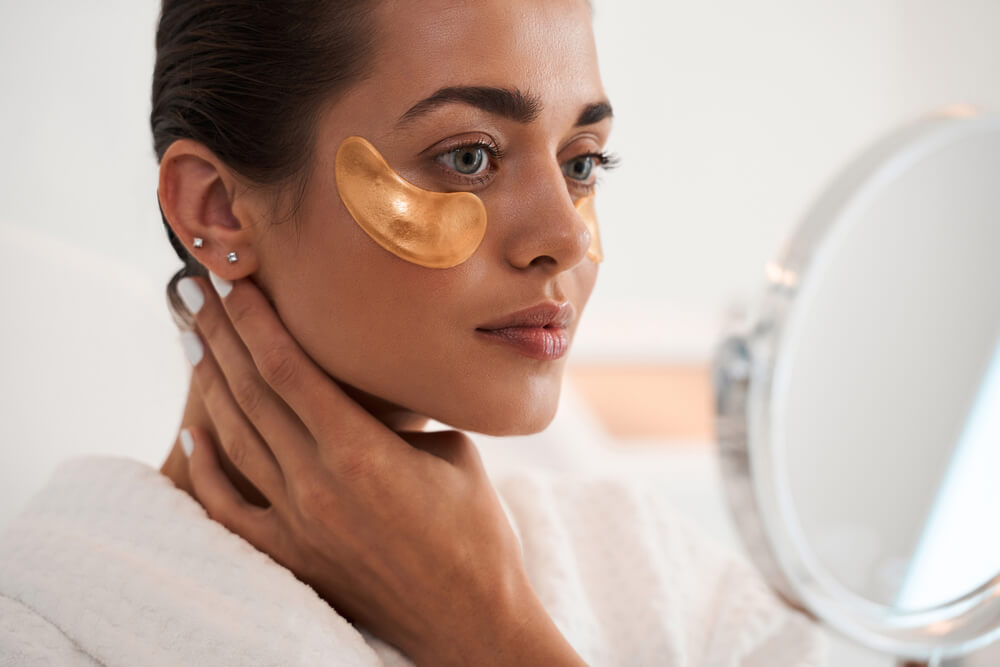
column 246, row 79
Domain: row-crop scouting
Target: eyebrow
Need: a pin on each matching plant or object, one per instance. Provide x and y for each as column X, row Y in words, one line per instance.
column 595, row 113
column 506, row 102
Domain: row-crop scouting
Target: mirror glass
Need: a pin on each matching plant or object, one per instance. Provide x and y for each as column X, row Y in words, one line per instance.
column 885, row 397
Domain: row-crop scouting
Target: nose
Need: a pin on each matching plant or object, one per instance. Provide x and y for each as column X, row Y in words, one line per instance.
column 548, row 232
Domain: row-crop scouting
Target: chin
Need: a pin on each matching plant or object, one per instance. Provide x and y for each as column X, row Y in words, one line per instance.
column 525, row 414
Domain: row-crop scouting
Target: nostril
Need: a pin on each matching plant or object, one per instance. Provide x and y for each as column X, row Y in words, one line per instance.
column 544, row 259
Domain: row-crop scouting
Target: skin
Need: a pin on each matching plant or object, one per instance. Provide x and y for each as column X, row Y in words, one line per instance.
column 400, row 338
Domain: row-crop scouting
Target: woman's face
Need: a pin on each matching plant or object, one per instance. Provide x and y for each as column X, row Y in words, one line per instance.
column 406, row 333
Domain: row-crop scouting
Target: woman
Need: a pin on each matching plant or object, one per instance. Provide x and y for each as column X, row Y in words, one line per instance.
column 336, row 299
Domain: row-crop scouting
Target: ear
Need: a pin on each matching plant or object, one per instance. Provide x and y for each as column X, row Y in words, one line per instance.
column 198, row 195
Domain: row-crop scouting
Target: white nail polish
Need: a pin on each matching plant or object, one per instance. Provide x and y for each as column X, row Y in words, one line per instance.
column 222, row 286
column 191, row 294
column 193, row 348
column 187, row 442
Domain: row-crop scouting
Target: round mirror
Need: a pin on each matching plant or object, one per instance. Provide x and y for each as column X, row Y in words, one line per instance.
column 859, row 412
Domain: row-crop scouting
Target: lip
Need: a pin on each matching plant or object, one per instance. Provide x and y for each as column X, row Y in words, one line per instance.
column 538, row 332
column 546, row 314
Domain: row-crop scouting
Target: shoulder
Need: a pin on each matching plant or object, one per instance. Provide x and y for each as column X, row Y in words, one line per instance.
column 26, row 638
column 112, row 558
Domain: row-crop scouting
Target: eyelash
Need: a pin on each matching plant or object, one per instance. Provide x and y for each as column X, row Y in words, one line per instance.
column 606, row 161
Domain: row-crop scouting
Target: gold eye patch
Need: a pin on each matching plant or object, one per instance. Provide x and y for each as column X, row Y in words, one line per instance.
column 585, row 207
column 434, row 229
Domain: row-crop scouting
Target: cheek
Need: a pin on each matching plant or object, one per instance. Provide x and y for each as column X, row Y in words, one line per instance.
column 586, row 278
column 343, row 292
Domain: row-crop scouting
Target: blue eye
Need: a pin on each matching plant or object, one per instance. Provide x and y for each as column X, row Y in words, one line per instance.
column 467, row 160
column 579, row 168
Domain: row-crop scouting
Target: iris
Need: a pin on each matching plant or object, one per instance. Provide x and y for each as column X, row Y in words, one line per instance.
column 580, row 168
column 468, row 160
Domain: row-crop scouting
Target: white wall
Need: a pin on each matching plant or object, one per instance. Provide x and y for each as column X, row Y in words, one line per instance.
column 730, row 117
column 77, row 157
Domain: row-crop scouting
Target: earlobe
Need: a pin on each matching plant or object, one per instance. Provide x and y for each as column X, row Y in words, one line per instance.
column 197, row 196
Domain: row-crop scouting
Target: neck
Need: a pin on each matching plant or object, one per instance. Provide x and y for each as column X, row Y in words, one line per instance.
column 175, row 467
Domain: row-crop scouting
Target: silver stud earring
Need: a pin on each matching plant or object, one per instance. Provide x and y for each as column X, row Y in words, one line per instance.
column 232, row 257
column 199, row 242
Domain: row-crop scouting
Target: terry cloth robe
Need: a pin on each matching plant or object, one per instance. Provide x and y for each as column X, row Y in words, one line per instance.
column 110, row 564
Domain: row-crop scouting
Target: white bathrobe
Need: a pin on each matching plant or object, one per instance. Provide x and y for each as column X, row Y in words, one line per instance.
column 110, row 564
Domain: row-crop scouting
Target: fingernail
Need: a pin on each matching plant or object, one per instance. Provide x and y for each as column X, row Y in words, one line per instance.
column 222, row 286
column 187, row 442
column 193, row 349
column 191, row 295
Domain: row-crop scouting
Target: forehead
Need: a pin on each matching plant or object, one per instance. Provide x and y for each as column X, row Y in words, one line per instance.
column 542, row 47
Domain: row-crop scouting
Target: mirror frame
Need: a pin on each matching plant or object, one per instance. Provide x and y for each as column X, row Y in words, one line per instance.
column 745, row 370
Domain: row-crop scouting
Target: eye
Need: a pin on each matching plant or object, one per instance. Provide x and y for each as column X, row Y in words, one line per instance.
column 467, row 160
column 579, row 168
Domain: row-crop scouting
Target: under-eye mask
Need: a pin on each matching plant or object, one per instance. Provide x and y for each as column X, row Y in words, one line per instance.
column 585, row 207
column 437, row 230
column 433, row 229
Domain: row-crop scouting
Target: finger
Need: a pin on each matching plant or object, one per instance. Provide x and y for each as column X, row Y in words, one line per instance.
column 218, row 496
column 237, row 437
column 280, row 428
column 303, row 385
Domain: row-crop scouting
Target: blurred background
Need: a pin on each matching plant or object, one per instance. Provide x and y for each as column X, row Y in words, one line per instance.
column 730, row 117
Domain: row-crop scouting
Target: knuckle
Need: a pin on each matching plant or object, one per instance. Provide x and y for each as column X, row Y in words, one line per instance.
column 314, row 500
column 277, row 366
column 355, row 464
column 239, row 311
column 211, row 387
column 249, row 394
column 236, row 450
column 209, row 325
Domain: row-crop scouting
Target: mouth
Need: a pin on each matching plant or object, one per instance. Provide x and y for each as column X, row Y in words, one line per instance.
column 539, row 332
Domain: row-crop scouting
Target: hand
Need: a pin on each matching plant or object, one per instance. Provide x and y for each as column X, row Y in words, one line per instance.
column 400, row 532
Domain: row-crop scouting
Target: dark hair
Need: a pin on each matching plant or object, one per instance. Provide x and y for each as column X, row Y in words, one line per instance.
column 246, row 79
